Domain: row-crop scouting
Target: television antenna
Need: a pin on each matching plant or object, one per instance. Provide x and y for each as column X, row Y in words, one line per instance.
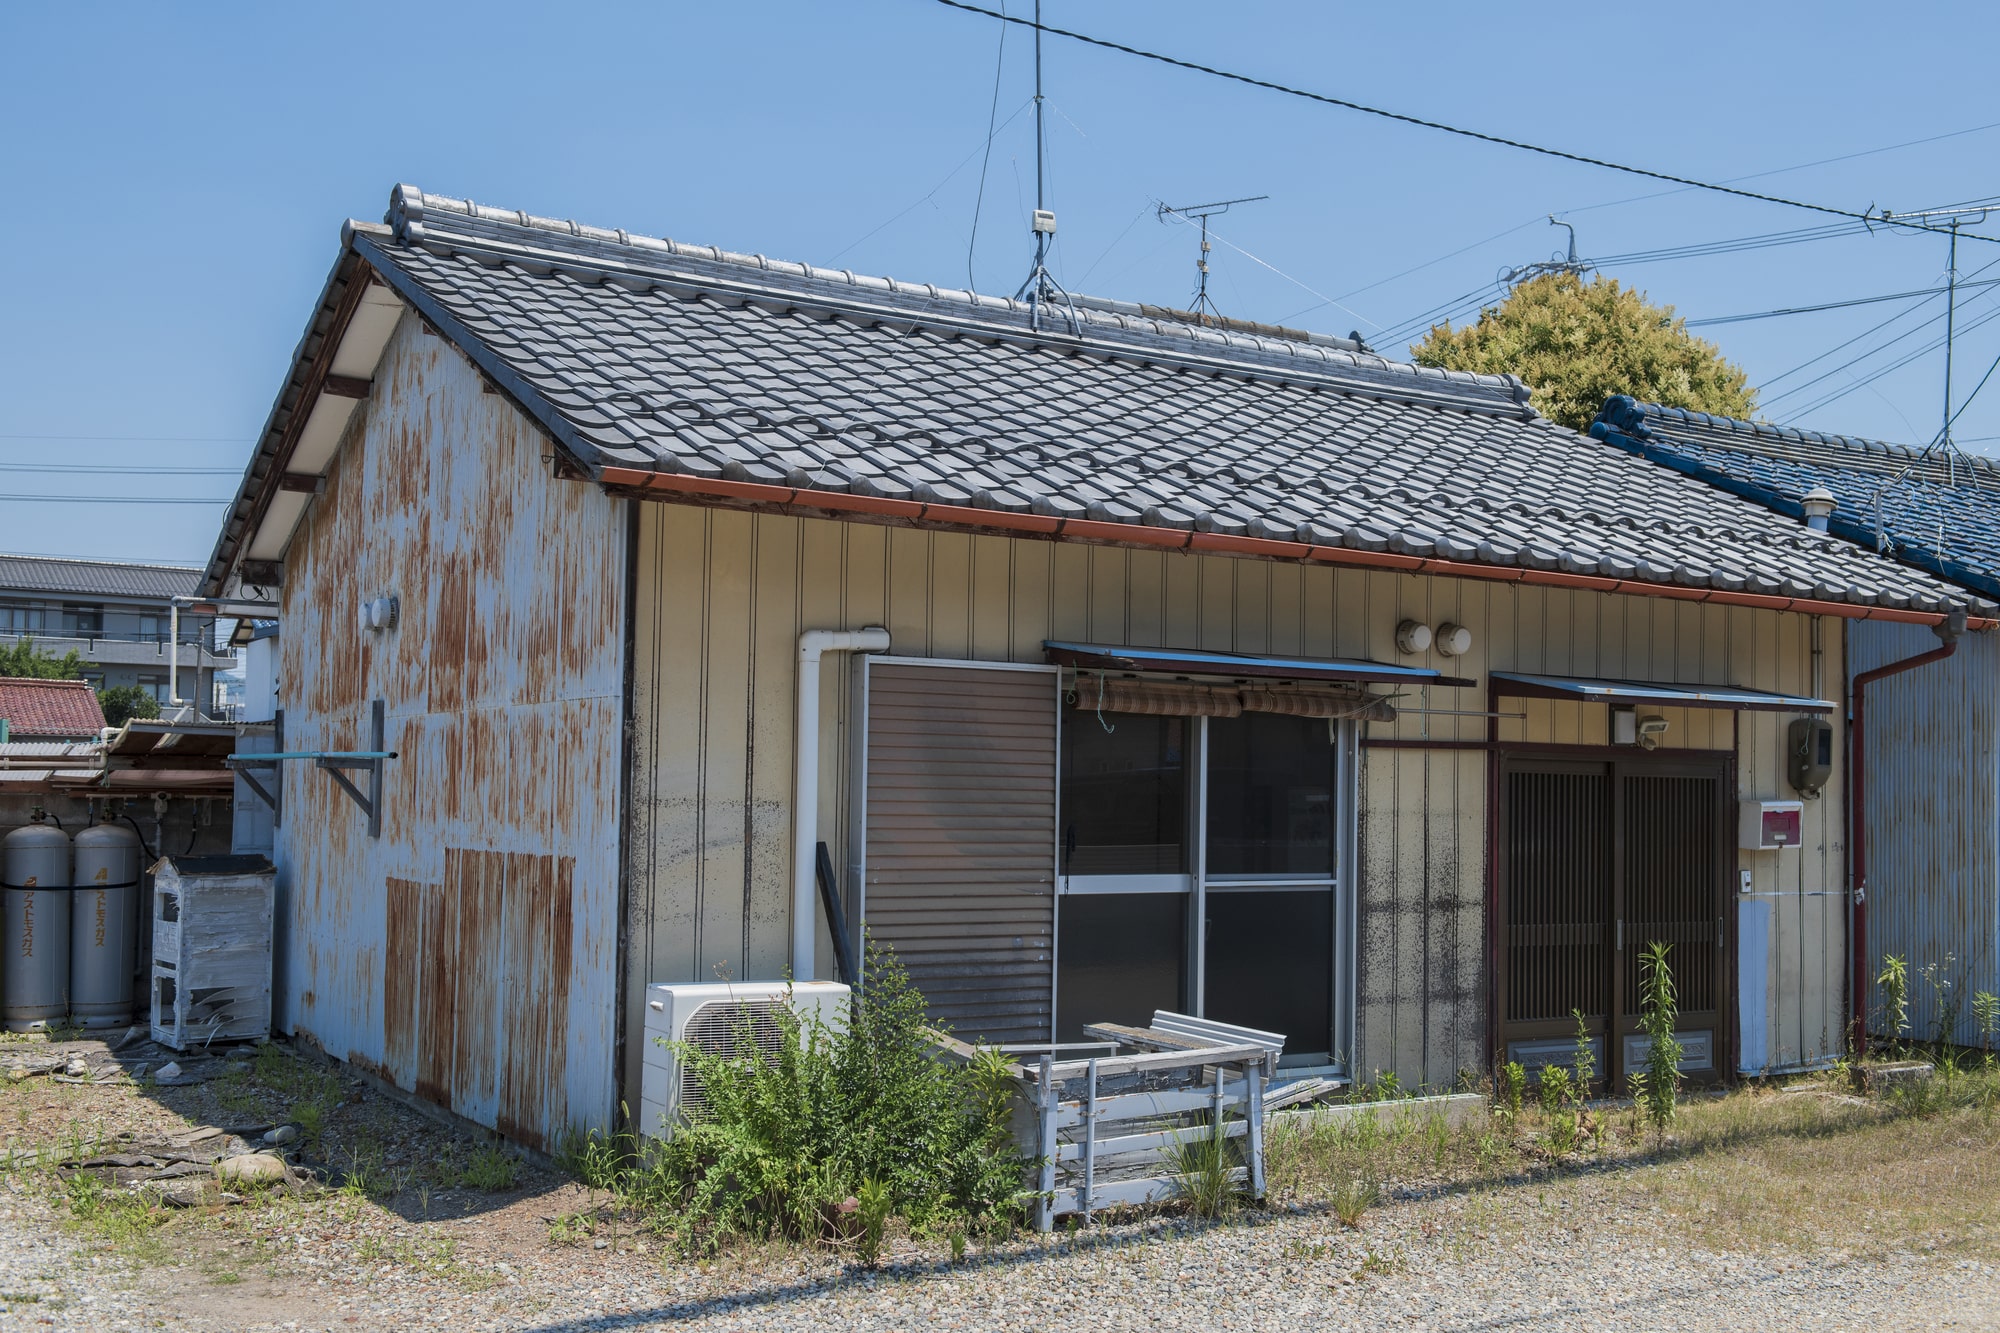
column 1041, row 287
column 1953, row 219
column 1554, row 264
column 1203, row 305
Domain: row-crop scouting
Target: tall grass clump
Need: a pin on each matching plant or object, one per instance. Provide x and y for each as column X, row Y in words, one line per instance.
column 1204, row 1168
column 838, row 1130
column 1656, row 1084
column 1895, row 984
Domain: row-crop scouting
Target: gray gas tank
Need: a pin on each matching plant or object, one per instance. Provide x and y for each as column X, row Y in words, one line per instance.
column 34, row 927
column 104, row 925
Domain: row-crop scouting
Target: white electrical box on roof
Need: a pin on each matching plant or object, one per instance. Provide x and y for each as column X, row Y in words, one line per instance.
column 1766, row 826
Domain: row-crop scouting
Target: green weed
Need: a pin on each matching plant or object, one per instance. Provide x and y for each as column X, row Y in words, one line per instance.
column 1203, row 1167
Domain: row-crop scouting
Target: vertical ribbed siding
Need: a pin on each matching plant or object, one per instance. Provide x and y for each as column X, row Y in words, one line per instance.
column 1933, row 872
column 723, row 595
column 961, row 828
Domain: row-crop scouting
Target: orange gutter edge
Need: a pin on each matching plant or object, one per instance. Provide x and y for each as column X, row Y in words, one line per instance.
column 922, row 514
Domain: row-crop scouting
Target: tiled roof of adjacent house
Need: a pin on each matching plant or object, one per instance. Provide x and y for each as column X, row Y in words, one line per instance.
column 45, row 575
column 1939, row 510
column 49, row 709
column 636, row 353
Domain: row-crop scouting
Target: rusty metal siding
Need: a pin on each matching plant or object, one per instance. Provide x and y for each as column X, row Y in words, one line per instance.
column 722, row 595
column 1933, row 821
column 468, row 954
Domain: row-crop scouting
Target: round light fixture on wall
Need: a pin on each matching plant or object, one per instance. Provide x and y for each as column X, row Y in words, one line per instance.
column 1453, row 640
column 379, row 613
column 1413, row 636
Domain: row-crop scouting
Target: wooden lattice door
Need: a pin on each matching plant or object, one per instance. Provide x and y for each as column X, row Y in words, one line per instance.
column 1598, row 859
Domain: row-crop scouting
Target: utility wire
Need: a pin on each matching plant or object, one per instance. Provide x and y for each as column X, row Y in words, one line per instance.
column 1482, row 137
column 1892, row 367
column 136, row 439
column 1926, row 293
column 118, row 499
column 992, row 113
column 113, row 468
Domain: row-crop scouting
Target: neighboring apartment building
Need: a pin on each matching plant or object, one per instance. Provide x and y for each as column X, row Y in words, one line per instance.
column 118, row 617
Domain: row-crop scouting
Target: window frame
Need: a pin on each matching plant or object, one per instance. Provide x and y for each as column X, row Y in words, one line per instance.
column 1197, row 884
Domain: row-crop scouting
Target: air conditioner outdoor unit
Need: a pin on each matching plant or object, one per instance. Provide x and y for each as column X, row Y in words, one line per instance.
column 736, row 1018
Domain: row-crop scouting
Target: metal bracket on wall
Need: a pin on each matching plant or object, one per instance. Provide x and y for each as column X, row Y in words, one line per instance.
column 335, row 763
column 246, row 764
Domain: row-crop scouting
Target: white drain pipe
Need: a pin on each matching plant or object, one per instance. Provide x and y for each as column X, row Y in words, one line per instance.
column 805, row 789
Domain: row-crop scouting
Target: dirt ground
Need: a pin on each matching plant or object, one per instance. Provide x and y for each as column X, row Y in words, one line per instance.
column 1799, row 1206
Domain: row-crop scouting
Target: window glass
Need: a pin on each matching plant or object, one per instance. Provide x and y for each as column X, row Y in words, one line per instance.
column 1270, row 966
column 1270, row 795
column 1124, row 794
column 1119, row 956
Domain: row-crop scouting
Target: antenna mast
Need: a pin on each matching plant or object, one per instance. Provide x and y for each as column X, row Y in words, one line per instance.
column 1568, row 264
column 1204, row 305
column 1041, row 288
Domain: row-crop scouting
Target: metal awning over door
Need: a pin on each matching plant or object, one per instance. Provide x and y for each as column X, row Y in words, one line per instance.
column 1522, row 685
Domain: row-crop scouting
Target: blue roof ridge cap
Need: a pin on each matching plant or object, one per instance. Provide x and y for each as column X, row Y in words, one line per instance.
column 1624, row 413
column 444, row 224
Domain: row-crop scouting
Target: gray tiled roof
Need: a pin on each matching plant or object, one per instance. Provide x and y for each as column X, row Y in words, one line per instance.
column 45, row 576
column 1939, row 511
column 643, row 353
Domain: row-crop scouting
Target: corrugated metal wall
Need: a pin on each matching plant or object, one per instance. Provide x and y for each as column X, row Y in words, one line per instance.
column 723, row 595
column 1933, row 821
column 469, row 953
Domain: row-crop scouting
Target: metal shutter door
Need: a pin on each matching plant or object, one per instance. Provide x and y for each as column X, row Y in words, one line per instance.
column 961, row 832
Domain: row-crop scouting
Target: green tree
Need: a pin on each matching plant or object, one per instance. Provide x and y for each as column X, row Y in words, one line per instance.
column 24, row 659
column 122, row 703
column 1578, row 343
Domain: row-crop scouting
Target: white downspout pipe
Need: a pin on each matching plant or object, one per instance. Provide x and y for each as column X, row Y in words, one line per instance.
column 805, row 790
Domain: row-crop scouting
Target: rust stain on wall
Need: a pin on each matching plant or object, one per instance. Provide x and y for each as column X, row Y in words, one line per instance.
column 540, row 908
column 399, row 983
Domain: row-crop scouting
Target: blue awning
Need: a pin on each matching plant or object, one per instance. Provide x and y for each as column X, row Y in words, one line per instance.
column 1183, row 662
column 1520, row 685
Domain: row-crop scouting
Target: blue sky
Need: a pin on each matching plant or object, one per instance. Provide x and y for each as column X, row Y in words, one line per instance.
column 176, row 177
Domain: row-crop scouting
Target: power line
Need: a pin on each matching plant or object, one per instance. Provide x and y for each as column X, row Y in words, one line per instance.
column 1891, row 368
column 112, row 468
column 138, row 439
column 979, row 203
column 1365, row 109
column 119, row 499
column 1927, row 293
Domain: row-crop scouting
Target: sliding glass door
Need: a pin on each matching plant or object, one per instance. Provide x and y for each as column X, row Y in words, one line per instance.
column 1206, row 868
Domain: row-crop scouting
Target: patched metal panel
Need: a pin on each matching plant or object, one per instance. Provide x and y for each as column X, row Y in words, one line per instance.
column 1933, row 823
column 469, row 953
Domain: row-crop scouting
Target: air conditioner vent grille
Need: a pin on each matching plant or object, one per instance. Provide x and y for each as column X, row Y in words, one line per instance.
column 734, row 1029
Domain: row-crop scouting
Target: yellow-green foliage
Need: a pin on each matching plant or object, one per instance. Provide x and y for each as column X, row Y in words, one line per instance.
column 1578, row 343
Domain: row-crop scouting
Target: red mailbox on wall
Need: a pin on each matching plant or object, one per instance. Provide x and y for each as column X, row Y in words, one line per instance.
column 1768, row 826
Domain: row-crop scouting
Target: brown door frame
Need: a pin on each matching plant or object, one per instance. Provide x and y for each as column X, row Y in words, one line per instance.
column 1617, row 761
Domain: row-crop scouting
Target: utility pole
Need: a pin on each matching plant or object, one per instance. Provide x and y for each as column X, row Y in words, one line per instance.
column 1041, row 288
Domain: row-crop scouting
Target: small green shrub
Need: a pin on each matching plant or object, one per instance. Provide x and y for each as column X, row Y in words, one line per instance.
column 1986, row 1016
column 1895, row 984
column 786, row 1138
column 1948, row 1003
column 1511, row 1086
column 491, row 1170
column 1352, row 1197
column 1656, row 1086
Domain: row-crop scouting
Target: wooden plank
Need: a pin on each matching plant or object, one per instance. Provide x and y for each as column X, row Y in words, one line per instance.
column 1150, row 1038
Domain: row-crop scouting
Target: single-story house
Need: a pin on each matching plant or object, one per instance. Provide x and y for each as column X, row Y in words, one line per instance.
column 1926, row 868
column 32, row 709
column 1121, row 663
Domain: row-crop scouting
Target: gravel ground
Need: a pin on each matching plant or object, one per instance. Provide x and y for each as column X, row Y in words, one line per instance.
column 1437, row 1263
